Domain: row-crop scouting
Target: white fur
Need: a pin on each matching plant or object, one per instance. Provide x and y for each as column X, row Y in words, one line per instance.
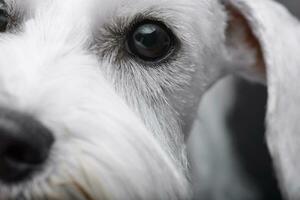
column 51, row 68
column 101, row 147
column 119, row 124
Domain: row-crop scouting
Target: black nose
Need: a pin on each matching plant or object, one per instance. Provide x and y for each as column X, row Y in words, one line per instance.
column 24, row 146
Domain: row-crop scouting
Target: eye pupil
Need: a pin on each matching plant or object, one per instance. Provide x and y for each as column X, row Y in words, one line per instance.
column 147, row 36
column 150, row 41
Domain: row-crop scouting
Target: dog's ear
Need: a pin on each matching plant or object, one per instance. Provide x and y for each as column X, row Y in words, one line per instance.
column 259, row 34
column 244, row 50
column 275, row 41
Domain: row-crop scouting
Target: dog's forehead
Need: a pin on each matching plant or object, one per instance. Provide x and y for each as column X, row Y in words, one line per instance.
column 101, row 5
column 107, row 7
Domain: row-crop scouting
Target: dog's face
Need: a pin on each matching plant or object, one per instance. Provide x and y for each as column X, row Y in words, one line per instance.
column 96, row 96
column 72, row 69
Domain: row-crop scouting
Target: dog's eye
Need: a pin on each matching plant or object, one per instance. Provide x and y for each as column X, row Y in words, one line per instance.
column 4, row 18
column 150, row 41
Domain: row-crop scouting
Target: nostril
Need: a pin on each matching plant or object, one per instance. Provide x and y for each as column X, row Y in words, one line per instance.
column 17, row 153
column 20, row 153
column 17, row 162
column 23, row 148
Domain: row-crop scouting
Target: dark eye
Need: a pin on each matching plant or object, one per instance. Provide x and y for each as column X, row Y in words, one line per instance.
column 150, row 41
column 4, row 18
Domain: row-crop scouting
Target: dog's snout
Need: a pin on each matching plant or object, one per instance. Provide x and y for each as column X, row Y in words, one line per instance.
column 24, row 146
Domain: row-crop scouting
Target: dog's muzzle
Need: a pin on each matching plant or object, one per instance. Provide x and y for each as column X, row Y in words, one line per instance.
column 24, row 146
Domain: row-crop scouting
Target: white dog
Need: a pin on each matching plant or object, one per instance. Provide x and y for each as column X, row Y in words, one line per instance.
column 97, row 96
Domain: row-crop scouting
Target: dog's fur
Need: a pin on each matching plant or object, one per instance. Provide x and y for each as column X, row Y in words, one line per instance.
column 119, row 122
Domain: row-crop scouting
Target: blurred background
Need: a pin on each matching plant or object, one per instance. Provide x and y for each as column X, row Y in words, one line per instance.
column 235, row 164
column 292, row 5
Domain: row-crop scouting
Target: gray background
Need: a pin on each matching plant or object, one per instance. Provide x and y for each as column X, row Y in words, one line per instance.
column 293, row 5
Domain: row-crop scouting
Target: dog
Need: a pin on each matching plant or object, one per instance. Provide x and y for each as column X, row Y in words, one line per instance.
column 98, row 97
